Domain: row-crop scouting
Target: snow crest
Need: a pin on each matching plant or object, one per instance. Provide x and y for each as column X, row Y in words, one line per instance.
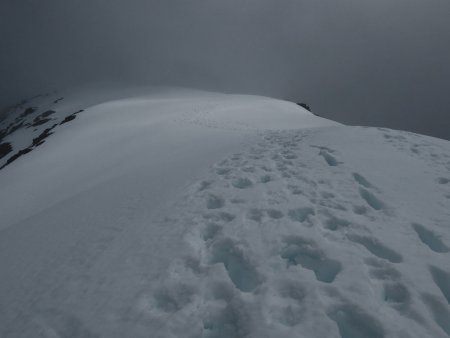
column 192, row 214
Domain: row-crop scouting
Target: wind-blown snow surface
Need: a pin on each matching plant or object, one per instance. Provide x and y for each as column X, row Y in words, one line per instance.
column 190, row 214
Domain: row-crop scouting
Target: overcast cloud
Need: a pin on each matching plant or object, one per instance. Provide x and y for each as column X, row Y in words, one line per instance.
column 366, row 62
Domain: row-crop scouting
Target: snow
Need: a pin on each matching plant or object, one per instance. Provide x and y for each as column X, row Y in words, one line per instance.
column 169, row 212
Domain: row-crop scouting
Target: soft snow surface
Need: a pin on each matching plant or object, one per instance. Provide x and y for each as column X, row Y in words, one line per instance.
column 158, row 212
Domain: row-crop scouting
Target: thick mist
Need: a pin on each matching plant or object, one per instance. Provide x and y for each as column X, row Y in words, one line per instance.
column 368, row 62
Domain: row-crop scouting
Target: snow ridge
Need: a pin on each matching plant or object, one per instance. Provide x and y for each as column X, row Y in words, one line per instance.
column 301, row 227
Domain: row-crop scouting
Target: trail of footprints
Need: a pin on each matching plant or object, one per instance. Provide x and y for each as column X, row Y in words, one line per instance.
column 263, row 230
column 427, row 149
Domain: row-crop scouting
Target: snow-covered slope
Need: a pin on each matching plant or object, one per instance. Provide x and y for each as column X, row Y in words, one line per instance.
column 177, row 213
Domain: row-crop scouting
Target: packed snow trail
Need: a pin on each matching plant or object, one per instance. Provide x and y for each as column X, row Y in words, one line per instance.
column 284, row 241
column 293, row 231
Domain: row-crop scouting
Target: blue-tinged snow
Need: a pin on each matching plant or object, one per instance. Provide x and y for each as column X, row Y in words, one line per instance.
column 164, row 212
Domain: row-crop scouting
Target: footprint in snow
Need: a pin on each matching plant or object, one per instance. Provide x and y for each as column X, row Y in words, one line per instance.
column 362, row 180
column 376, row 248
column 289, row 155
column 222, row 217
column 443, row 180
column 223, row 171
column 295, row 190
column 242, row 183
column 381, row 270
column 354, row 322
column 290, row 311
column 248, row 169
column 439, row 311
column 430, row 239
column 329, row 159
column 226, row 315
column 204, row 185
column 265, row 179
column 255, row 215
column 442, row 280
column 173, row 296
column 360, row 210
column 334, row 223
column 274, row 214
column 214, row 202
column 301, row 215
column 303, row 252
column 371, row 199
column 240, row 269
column 211, row 231
column 397, row 295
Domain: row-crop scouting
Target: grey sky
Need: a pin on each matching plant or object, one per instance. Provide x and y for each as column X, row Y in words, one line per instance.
column 369, row 62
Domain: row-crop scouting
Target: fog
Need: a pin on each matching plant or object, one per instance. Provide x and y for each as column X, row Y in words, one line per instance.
column 364, row 62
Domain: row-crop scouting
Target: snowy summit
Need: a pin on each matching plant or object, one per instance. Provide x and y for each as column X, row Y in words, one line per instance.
column 165, row 212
